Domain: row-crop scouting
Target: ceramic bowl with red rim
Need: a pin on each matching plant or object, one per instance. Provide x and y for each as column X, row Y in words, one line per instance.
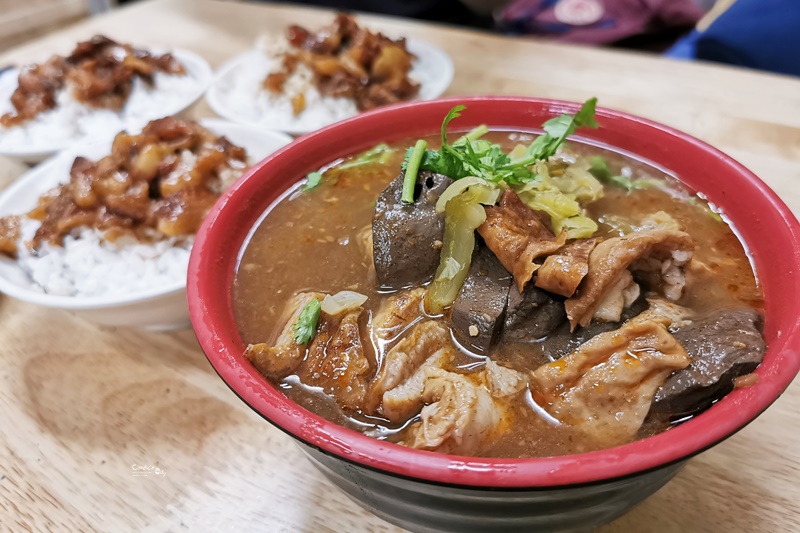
column 425, row 491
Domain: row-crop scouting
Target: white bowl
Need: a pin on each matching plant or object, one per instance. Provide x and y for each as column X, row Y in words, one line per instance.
column 36, row 151
column 160, row 308
column 234, row 93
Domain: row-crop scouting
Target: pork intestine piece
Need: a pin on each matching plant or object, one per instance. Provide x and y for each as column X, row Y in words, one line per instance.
column 336, row 361
column 279, row 360
column 619, row 296
column 501, row 381
column 405, row 400
column 659, row 252
column 517, row 235
column 459, row 415
column 606, row 386
column 422, row 340
column 396, row 313
column 562, row 272
column 333, row 360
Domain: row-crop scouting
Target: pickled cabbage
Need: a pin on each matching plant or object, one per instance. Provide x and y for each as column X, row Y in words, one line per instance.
column 463, row 215
column 578, row 227
column 342, row 301
column 485, row 192
column 555, row 203
column 579, row 182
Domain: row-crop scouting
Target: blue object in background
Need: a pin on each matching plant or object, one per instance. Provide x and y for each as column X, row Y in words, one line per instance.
column 760, row 34
column 686, row 47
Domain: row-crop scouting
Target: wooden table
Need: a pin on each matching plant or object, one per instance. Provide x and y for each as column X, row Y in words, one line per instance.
column 81, row 408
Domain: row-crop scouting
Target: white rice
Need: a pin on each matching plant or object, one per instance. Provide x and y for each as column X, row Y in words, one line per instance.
column 71, row 120
column 244, row 95
column 88, row 265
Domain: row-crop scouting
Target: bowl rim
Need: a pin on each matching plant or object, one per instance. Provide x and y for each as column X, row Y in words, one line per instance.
column 215, row 331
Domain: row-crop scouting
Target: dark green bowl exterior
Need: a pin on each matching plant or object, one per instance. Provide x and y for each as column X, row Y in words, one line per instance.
column 424, row 507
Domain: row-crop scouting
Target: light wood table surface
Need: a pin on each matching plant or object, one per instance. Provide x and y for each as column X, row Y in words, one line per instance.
column 80, row 405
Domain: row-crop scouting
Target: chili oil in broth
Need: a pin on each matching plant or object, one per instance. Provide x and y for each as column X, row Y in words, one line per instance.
column 313, row 241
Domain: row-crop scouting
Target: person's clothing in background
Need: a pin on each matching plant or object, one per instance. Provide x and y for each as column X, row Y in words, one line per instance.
column 762, row 34
column 635, row 23
column 450, row 11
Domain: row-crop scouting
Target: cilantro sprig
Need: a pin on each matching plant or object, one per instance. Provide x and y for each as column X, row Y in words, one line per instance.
column 306, row 325
column 559, row 128
column 599, row 169
column 411, row 171
column 380, row 153
column 472, row 156
column 312, row 180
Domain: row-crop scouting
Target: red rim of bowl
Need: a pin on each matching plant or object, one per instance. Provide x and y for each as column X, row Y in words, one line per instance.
column 760, row 217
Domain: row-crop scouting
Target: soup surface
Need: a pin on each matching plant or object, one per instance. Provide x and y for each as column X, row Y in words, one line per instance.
column 520, row 404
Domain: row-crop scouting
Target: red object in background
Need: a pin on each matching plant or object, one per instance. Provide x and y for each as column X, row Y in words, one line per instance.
column 596, row 21
column 765, row 224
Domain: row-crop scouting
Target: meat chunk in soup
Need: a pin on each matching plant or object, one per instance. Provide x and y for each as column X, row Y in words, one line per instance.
column 532, row 315
column 280, row 360
column 609, row 263
column 723, row 346
column 517, row 235
column 502, row 381
column 336, row 361
column 406, row 356
column 606, row 386
column 562, row 272
column 663, row 310
column 479, row 310
column 397, row 312
column 561, row 341
column 458, row 416
column 620, row 295
column 405, row 400
column 407, row 238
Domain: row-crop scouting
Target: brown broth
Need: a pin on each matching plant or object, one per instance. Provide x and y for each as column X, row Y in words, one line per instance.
column 311, row 241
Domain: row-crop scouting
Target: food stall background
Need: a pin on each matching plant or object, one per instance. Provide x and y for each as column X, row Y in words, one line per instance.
column 758, row 34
